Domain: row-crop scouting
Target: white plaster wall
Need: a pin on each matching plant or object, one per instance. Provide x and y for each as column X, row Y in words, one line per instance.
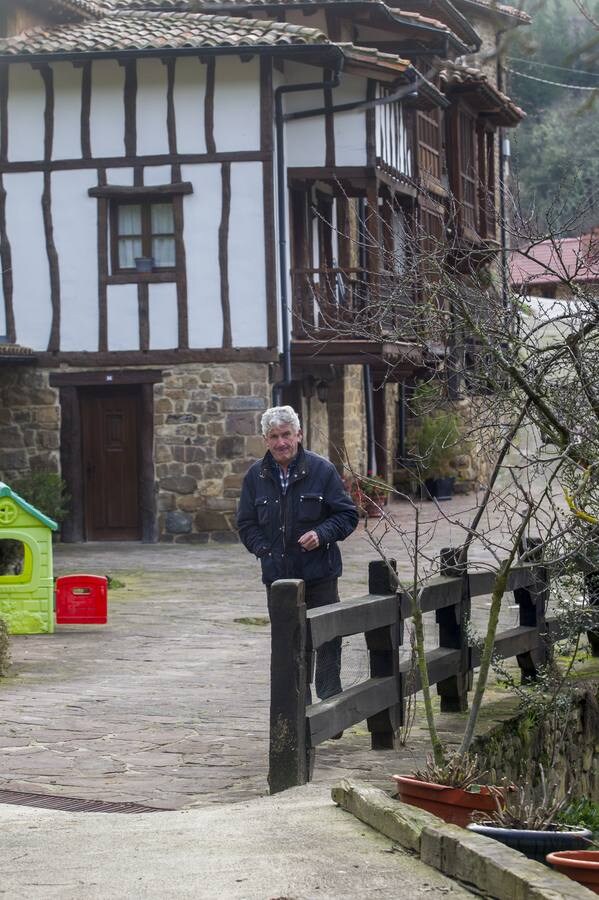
column 350, row 127
column 121, row 176
column 152, row 137
column 247, row 280
column 236, row 104
column 26, row 105
column 107, row 113
column 164, row 332
column 74, row 215
column 202, row 214
column 31, row 275
column 190, row 88
column 67, row 111
column 2, row 309
column 304, row 139
column 123, row 317
column 157, row 175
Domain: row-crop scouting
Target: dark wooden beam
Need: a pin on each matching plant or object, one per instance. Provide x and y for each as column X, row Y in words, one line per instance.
column 123, row 191
column 362, row 701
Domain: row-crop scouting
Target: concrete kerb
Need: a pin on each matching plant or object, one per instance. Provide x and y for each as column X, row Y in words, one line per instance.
column 475, row 861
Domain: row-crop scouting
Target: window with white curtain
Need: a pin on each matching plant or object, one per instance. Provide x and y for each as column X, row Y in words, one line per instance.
column 143, row 229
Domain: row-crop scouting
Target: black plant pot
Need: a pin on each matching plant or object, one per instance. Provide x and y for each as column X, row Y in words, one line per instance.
column 537, row 844
column 439, row 488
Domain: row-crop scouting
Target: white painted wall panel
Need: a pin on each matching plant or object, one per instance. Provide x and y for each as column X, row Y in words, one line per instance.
column 26, row 105
column 152, row 137
column 31, row 275
column 247, row 279
column 124, row 176
column 74, row 215
column 2, row 310
column 190, row 88
column 123, row 317
column 107, row 114
column 304, row 140
column 157, row 175
column 236, row 104
column 202, row 214
column 67, row 111
column 350, row 127
column 164, row 331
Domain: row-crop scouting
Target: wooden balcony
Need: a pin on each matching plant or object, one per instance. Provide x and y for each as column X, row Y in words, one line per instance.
column 350, row 315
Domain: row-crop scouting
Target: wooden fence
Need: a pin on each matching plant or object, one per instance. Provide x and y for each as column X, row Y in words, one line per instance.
column 296, row 728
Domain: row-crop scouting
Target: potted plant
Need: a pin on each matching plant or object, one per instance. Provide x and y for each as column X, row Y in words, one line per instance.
column 432, row 443
column 370, row 493
column 451, row 790
column 528, row 820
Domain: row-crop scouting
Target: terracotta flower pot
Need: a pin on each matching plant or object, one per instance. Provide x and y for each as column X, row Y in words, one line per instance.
column 450, row 804
column 579, row 865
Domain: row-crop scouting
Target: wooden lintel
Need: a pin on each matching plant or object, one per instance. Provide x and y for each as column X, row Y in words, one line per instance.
column 114, row 376
column 127, row 190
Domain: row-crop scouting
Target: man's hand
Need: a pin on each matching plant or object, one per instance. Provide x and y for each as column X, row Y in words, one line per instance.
column 309, row 541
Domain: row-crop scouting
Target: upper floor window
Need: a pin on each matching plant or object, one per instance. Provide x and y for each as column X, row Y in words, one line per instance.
column 143, row 235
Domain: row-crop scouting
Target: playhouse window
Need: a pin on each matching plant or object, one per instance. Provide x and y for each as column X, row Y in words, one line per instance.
column 16, row 562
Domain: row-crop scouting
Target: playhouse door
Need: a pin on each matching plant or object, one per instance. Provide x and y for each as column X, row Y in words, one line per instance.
column 110, row 420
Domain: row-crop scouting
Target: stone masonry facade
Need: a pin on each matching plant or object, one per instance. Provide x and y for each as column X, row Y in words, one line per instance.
column 29, row 423
column 206, row 435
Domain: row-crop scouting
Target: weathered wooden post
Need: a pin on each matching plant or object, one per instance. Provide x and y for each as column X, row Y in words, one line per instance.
column 288, row 762
column 452, row 621
column 383, row 649
column 533, row 601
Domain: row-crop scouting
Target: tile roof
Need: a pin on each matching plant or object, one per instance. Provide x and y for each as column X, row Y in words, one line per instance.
column 551, row 262
column 456, row 76
column 500, row 9
column 157, row 31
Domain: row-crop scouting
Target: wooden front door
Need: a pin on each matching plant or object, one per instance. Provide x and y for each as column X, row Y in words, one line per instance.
column 110, row 428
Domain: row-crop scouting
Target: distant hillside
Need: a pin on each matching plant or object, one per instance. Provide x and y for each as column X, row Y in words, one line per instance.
column 555, row 152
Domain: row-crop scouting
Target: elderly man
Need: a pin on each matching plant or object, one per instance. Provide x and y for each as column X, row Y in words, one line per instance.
column 292, row 512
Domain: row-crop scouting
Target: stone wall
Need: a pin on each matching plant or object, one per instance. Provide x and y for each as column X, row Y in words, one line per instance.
column 354, row 419
column 566, row 745
column 29, row 422
column 206, row 434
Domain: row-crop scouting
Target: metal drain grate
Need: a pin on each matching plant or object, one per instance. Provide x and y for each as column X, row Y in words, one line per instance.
column 72, row 804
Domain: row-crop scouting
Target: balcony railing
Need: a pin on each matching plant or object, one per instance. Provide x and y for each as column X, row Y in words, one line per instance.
column 349, row 303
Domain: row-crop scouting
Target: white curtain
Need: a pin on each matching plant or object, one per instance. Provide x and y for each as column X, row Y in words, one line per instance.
column 163, row 240
column 129, row 235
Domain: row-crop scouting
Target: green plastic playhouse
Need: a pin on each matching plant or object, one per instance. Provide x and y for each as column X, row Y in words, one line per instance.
column 27, row 598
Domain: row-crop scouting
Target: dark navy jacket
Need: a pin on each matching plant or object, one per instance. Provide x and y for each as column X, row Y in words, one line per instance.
column 271, row 522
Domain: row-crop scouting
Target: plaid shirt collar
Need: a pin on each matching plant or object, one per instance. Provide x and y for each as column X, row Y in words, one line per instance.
column 284, row 478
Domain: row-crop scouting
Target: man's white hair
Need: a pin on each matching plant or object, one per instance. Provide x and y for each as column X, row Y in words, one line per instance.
column 277, row 416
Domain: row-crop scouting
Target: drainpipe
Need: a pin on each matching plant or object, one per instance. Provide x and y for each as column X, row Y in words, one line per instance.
column 280, row 119
column 502, row 186
column 366, row 372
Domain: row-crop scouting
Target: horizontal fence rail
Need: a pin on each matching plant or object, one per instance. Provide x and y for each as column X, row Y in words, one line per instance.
column 297, row 727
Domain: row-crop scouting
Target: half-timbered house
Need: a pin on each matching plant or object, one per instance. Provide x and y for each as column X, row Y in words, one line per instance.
column 183, row 196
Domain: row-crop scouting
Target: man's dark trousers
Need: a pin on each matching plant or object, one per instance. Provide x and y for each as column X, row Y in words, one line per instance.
column 328, row 657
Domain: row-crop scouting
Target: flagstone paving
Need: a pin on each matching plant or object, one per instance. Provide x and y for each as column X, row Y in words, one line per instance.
column 167, row 705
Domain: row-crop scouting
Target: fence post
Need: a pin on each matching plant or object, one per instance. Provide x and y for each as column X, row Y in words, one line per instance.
column 591, row 585
column 452, row 621
column 383, row 650
column 532, row 601
column 288, row 761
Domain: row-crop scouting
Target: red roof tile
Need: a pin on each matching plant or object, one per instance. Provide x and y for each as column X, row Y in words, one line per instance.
column 551, row 262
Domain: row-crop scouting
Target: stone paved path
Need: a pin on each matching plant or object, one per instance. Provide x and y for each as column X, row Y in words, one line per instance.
column 167, row 705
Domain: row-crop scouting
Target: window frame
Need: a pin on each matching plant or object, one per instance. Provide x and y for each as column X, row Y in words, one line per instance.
column 147, row 235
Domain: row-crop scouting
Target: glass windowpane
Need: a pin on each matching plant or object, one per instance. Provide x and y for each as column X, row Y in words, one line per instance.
column 163, row 251
column 129, row 248
column 162, row 218
column 130, row 219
